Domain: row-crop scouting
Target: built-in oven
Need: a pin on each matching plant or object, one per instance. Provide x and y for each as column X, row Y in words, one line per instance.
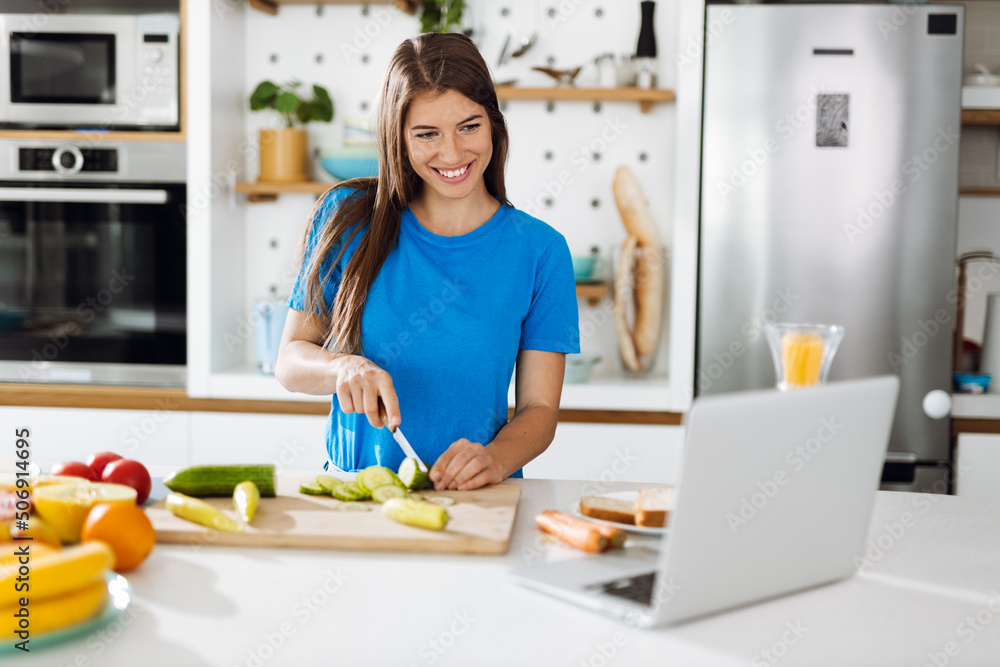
column 93, row 262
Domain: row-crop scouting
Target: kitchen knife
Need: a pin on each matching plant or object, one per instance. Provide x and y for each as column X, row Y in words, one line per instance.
column 400, row 439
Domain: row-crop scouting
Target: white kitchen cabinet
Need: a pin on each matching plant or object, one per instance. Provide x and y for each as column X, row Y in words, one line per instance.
column 159, row 438
column 605, row 453
column 294, row 443
column 977, row 465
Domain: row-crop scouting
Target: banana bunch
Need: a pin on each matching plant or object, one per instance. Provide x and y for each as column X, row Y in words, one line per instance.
column 65, row 586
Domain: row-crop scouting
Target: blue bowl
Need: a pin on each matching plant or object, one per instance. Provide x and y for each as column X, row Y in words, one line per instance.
column 583, row 266
column 579, row 367
column 349, row 162
column 971, row 383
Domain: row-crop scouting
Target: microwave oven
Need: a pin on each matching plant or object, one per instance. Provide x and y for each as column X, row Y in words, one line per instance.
column 86, row 71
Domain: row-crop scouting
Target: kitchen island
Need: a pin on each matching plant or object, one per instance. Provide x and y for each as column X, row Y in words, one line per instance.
column 928, row 594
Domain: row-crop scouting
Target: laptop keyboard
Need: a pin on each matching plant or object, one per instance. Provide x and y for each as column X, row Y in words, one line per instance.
column 637, row 589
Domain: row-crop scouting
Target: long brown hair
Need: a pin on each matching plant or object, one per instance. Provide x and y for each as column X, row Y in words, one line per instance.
column 429, row 63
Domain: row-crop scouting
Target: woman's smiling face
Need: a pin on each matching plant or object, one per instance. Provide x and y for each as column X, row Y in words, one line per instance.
column 448, row 143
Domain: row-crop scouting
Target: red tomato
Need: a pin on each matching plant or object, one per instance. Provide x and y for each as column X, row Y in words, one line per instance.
column 98, row 461
column 130, row 473
column 75, row 469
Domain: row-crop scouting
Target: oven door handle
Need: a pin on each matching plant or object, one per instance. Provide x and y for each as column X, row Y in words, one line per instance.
column 79, row 195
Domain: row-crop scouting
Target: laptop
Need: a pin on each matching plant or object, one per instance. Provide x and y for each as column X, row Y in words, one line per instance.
column 775, row 496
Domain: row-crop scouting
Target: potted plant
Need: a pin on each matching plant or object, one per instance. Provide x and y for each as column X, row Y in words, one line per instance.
column 284, row 151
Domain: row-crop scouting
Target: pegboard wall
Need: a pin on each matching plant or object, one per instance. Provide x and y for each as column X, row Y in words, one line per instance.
column 563, row 155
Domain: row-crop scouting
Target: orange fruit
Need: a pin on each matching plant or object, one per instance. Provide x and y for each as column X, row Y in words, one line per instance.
column 123, row 527
column 65, row 506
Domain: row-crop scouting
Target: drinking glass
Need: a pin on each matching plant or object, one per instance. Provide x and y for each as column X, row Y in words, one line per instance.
column 802, row 353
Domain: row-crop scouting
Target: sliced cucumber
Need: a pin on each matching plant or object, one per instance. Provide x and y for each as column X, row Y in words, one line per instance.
column 373, row 477
column 312, row 489
column 384, row 493
column 416, row 513
column 411, row 476
column 353, row 507
column 443, row 501
column 350, row 491
column 415, row 496
column 328, row 483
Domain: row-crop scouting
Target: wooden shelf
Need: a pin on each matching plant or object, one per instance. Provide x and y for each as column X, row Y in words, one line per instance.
column 261, row 192
column 645, row 97
column 980, row 192
column 271, row 6
column 980, row 116
column 592, row 292
column 91, row 137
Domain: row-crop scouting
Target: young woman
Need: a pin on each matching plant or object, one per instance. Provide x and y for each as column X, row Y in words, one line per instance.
column 423, row 288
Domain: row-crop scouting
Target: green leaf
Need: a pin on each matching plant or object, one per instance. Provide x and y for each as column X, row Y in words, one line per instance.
column 263, row 96
column 287, row 102
column 322, row 107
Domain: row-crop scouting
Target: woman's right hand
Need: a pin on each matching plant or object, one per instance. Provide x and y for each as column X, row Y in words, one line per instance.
column 360, row 385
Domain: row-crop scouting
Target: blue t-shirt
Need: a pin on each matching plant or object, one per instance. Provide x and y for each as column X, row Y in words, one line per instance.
column 446, row 317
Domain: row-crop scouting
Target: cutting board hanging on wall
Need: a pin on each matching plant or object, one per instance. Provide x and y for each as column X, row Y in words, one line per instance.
column 481, row 523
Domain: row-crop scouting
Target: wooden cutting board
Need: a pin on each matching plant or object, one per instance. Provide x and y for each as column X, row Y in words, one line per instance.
column 481, row 523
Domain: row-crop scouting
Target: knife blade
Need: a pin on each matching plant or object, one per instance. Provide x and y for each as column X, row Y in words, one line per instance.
column 400, row 439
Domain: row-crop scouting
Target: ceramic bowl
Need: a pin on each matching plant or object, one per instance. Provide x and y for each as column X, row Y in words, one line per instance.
column 579, row 367
column 349, row 162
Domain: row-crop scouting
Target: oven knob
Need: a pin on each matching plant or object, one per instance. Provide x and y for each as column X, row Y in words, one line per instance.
column 156, row 55
column 67, row 160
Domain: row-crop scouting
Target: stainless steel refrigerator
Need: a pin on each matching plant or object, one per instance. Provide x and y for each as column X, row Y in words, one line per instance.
column 829, row 192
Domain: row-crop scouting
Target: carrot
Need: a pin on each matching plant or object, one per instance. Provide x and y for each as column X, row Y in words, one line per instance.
column 574, row 532
column 614, row 536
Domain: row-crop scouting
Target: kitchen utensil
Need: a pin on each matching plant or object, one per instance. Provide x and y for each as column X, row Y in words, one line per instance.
column 400, row 439
column 562, row 76
column 646, row 49
column 526, row 43
column 503, row 51
column 481, row 523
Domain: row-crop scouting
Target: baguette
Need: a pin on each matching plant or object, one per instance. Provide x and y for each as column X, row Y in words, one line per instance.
column 647, row 296
column 653, row 505
column 632, row 208
column 623, row 294
column 608, row 509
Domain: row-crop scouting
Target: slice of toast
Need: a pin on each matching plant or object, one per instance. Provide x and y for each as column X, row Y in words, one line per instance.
column 608, row 509
column 653, row 505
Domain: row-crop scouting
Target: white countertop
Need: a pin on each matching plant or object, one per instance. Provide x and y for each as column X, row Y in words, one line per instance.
column 203, row 605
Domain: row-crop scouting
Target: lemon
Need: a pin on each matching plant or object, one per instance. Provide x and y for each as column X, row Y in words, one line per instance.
column 65, row 506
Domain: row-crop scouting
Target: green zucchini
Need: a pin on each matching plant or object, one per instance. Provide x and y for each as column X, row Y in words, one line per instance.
column 221, row 480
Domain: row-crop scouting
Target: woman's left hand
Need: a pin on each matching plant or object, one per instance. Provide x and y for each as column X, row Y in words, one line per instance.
column 465, row 466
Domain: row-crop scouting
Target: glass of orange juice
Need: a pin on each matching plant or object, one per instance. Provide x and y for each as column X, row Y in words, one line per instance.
column 802, row 353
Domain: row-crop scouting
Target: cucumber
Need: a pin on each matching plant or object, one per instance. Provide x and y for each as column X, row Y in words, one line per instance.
column 416, row 513
column 200, row 512
column 328, row 483
column 384, row 493
column 443, row 501
column 312, row 489
column 221, row 480
column 353, row 507
column 246, row 497
column 349, row 491
column 411, row 476
column 373, row 477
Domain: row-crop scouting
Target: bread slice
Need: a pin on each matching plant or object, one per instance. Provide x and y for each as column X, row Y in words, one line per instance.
column 653, row 505
column 608, row 509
